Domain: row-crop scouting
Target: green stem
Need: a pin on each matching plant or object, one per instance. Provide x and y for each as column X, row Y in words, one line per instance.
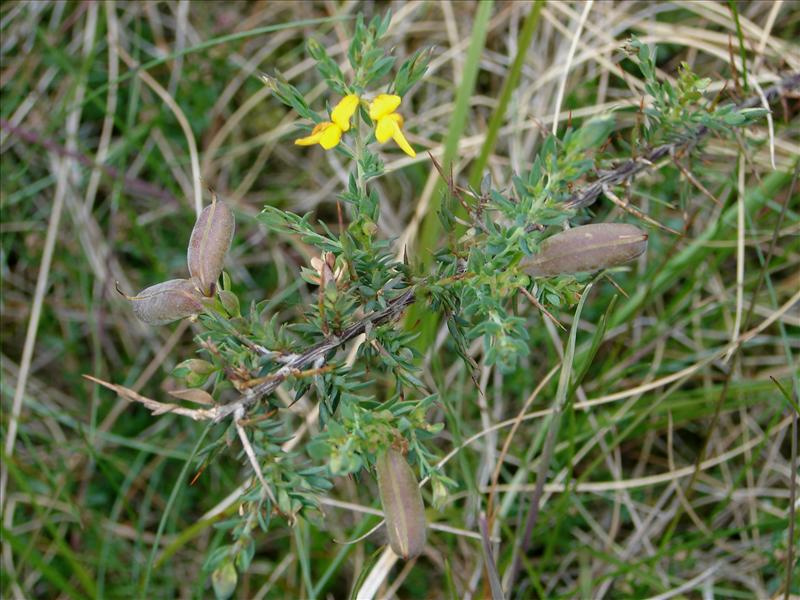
column 431, row 227
column 509, row 85
column 742, row 53
column 179, row 484
column 362, row 184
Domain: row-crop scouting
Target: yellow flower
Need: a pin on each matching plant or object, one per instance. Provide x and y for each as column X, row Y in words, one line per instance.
column 344, row 111
column 388, row 122
column 328, row 134
column 383, row 105
column 325, row 134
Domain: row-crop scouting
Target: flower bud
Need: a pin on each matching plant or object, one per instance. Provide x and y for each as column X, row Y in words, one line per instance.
column 211, row 238
column 402, row 504
column 167, row 302
column 586, row 248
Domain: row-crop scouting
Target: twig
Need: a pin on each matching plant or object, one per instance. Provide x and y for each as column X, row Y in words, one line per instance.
column 293, row 364
column 539, row 306
column 238, row 416
column 154, row 406
column 631, row 168
column 315, row 355
column 636, row 212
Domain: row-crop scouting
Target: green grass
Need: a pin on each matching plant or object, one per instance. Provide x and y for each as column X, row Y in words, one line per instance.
column 98, row 501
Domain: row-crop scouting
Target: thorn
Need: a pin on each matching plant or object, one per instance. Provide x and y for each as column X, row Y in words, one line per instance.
column 197, row 475
column 635, row 211
column 539, row 306
column 121, row 293
column 733, row 66
column 616, row 285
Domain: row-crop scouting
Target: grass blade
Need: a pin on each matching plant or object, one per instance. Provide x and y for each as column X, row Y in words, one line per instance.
column 430, row 226
column 509, row 85
column 488, row 558
column 179, row 484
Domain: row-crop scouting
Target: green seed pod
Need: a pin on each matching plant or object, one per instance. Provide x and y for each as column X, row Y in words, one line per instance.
column 167, row 302
column 211, row 238
column 196, row 366
column 230, row 303
column 223, row 580
column 402, row 504
column 586, row 248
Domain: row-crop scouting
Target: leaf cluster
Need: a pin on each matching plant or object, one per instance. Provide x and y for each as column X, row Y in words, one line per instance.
column 678, row 109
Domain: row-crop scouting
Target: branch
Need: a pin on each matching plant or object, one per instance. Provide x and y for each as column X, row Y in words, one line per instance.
column 251, row 456
column 631, row 168
column 154, row 406
column 315, row 355
column 293, row 364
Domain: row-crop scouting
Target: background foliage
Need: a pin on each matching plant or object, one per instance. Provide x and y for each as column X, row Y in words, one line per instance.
column 97, row 186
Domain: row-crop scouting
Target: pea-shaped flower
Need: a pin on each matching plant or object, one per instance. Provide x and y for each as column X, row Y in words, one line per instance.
column 586, row 248
column 388, row 123
column 402, row 504
column 328, row 134
column 210, row 241
column 166, row 302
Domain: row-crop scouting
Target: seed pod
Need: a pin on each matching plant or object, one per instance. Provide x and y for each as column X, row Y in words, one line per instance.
column 223, row 580
column 167, row 302
column 402, row 504
column 211, row 238
column 587, row 248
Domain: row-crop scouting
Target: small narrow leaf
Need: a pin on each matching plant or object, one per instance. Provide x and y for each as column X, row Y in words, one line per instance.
column 193, row 395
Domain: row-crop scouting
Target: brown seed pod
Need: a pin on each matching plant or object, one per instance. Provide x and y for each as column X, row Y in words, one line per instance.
column 586, row 248
column 166, row 302
column 402, row 504
column 211, row 238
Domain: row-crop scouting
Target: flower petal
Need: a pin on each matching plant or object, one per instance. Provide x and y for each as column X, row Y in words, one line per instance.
column 315, row 136
column 308, row 140
column 330, row 137
column 383, row 105
column 344, row 111
column 397, row 118
column 401, row 141
column 385, row 128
